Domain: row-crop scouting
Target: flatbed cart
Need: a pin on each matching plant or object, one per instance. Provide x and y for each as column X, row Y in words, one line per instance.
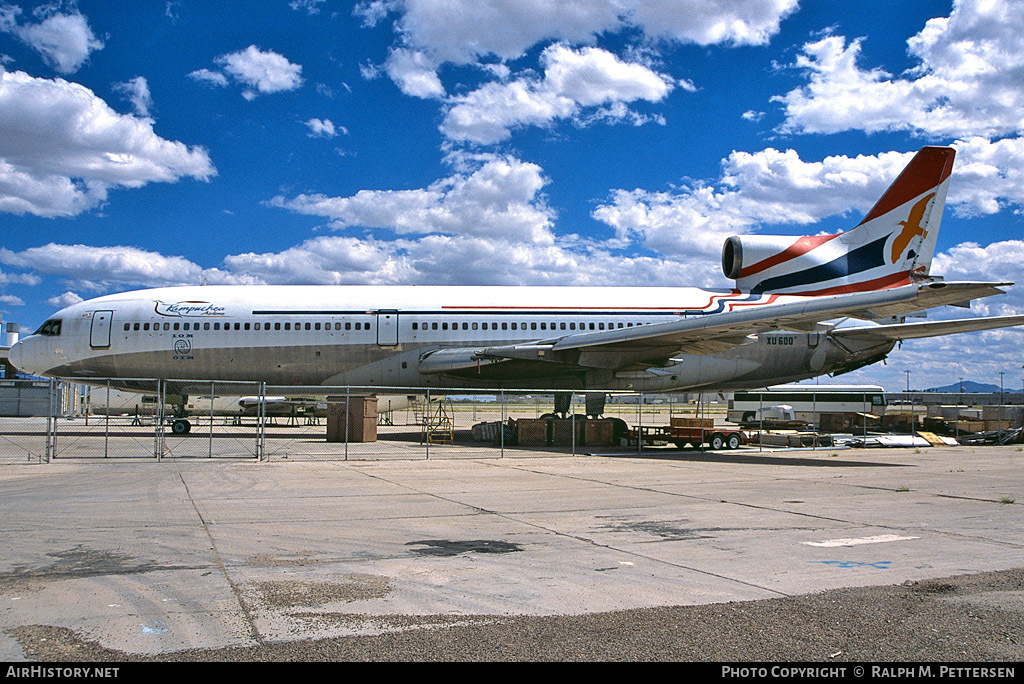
column 716, row 438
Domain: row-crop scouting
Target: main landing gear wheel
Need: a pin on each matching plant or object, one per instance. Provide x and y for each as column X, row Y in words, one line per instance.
column 181, row 427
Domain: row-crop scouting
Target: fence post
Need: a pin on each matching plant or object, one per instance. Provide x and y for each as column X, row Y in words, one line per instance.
column 501, row 427
column 760, row 420
column 106, row 423
column 640, row 424
column 51, row 437
column 867, row 407
column 158, row 422
column 261, row 413
column 815, row 421
column 213, row 392
column 572, row 422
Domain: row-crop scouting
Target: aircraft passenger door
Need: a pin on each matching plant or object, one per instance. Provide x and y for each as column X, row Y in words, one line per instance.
column 387, row 328
column 99, row 333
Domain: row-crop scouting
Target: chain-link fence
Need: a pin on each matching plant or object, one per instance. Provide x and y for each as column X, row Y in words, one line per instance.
column 164, row 419
column 26, row 423
column 145, row 418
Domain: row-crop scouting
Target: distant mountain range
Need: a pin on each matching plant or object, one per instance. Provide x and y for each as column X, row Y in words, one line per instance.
column 971, row 386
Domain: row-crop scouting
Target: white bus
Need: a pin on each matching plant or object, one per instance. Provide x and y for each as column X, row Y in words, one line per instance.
column 807, row 401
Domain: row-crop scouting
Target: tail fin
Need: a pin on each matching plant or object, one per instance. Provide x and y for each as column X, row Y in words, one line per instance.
column 911, row 210
column 892, row 246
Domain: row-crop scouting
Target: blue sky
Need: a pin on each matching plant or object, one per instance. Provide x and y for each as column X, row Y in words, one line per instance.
column 520, row 142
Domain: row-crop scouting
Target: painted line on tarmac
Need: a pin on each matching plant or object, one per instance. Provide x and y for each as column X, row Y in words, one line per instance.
column 857, row 541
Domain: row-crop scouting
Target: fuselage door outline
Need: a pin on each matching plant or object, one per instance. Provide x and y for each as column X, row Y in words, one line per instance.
column 387, row 328
column 99, row 332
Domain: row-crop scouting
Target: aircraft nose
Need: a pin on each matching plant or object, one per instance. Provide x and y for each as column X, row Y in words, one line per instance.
column 14, row 355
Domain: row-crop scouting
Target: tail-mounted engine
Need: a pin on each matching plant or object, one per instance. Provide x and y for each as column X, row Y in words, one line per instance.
column 778, row 262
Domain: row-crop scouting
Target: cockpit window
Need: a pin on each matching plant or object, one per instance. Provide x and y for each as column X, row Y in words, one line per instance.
column 50, row 328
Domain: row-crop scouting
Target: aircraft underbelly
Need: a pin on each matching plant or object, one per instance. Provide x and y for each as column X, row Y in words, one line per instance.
column 774, row 358
column 299, row 365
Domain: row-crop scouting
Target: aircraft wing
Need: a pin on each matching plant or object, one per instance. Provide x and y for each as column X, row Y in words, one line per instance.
column 909, row 331
column 655, row 344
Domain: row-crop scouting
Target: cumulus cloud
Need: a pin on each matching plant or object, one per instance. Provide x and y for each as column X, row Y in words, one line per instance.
column 449, row 260
column 342, row 260
column 18, row 278
column 433, row 33
column 988, row 176
column 98, row 268
column 997, row 262
column 64, row 41
column 573, row 80
column 322, row 128
column 262, row 72
column 103, row 264
column 463, row 31
column 311, row 7
column 498, row 197
column 211, row 77
column 967, row 82
column 769, row 187
column 778, row 188
column 137, row 92
column 62, row 148
column 67, row 299
column 414, row 73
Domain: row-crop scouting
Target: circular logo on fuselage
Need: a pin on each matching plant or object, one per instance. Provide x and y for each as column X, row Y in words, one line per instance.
column 182, row 346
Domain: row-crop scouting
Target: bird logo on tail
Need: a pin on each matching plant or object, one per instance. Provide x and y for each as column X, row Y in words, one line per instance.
column 911, row 227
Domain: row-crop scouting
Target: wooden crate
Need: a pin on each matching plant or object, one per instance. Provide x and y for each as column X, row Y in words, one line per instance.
column 562, row 432
column 356, row 414
column 598, row 432
column 706, row 423
column 532, row 432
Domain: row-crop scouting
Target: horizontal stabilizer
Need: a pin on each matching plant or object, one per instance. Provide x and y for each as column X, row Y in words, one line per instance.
column 910, row 331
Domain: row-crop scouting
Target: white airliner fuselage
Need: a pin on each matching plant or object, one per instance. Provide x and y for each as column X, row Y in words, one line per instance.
column 333, row 335
column 779, row 324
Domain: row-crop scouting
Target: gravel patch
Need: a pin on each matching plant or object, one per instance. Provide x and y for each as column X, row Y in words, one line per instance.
column 957, row 619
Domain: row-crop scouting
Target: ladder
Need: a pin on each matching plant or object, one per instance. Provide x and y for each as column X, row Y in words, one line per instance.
column 438, row 427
